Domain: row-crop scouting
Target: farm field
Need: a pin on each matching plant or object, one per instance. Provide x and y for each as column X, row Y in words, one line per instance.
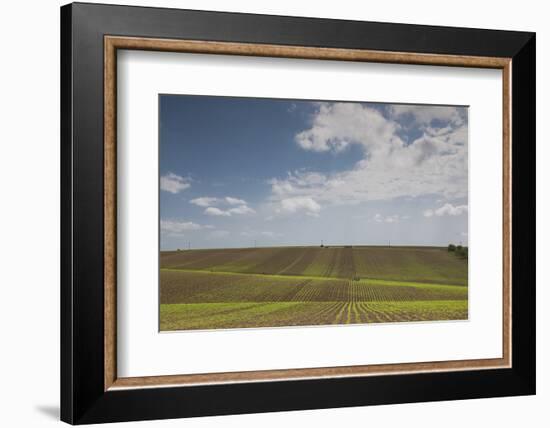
column 292, row 286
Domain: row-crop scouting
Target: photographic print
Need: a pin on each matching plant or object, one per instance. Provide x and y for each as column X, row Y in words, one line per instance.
column 286, row 212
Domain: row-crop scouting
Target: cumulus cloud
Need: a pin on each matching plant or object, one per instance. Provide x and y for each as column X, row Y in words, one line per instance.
column 178, row 227
column 234, row 201
column 212, row 205
column 435, row 163
column 447, row 209
column 214, row 211
column 173, row 183
column 299, row 204
column 204, row 201
column 336, row 126
column 241, row 209
column 425, row 115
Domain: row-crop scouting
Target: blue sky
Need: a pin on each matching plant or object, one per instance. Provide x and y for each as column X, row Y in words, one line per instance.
column 238, row 172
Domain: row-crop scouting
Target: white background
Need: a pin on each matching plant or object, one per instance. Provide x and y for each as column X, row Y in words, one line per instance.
column 142, row 351
column 29, row 226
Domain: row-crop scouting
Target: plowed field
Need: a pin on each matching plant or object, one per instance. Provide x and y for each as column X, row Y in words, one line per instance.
column 291, row 286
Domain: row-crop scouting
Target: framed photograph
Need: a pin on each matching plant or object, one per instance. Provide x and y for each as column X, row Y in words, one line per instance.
column 266, row 213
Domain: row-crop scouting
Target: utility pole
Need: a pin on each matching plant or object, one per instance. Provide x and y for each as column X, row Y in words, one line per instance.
column 255, row 243
column 188, row 245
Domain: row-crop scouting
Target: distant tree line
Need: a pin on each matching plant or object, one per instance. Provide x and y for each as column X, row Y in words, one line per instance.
column 459, row 250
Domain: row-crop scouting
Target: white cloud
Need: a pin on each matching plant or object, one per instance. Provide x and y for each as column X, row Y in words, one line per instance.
column 425, row 115
column 234, row 201
column 335, row 126
column 435, row 163
column 176, row 227
column 447, row 209
column 299, row 204
column 217, row 212
column 173, row 183
column 204, row 201
column 212, row 206
column 241, row 209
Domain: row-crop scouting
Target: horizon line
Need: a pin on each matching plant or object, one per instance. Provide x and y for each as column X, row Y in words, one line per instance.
column 310, row 246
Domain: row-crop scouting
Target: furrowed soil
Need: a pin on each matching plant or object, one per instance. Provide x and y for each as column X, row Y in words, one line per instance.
column 292, row 286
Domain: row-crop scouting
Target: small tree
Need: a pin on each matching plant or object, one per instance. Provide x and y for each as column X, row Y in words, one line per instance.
column 451, row 247
column 463, row 252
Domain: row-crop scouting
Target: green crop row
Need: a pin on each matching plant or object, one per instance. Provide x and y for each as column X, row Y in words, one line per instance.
column 192, row 316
